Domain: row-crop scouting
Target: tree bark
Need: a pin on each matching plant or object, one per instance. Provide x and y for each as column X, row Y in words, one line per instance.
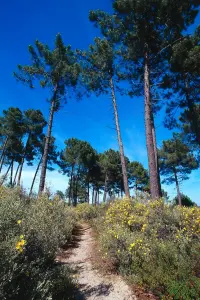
column 153, row 174
column 15, row 178
column 178, row 189
column 121, row 148
column 11, row 173
column 156, row 153
column 71, row 184
column 93, row 192
column 34, row 178
column 5, row 175
column 22, row 162
column 3, row 153
column 88, row 191
column 105, row 188
column 98, row 196
column 47, row 142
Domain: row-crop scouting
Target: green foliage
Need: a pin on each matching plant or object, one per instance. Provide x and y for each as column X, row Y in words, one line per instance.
column 88, row 212
column 31, row 232
column 56, row 69
column 175, row 157
column 138, row 176
column 186, row 201
column 154, row 245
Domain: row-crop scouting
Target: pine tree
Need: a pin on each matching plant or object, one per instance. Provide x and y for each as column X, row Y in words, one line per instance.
column 138, row 176
column 56, row 70
column 100, row 76
column 145, row 29
column 52, row 160
column 176, row 162
column 11, row 130
column 183, row 84
column 34, row 124
column 77, row 161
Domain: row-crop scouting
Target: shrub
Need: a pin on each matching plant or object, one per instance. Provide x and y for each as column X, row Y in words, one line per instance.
column 154, row 245
column 31, row 231
column 88, row 212
column 186, row 201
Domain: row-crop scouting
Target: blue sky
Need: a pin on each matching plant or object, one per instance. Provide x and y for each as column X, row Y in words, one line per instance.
column 21, row 22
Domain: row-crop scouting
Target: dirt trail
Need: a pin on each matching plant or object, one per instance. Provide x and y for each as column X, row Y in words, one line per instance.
column 92, row 285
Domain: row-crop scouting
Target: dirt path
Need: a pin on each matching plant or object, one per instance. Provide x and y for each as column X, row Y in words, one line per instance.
column 92, row 285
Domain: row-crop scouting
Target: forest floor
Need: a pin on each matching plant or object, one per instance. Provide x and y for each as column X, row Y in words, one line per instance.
column 94, row 283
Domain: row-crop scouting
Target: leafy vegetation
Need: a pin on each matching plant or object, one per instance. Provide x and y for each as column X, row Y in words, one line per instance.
column 32, row 231
column 154, row 245
column 144, row 51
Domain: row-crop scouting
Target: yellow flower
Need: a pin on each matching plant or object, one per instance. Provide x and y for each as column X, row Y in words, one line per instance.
column 19, row 222
column 21, row 236
column 22, row 242
column 18, row 245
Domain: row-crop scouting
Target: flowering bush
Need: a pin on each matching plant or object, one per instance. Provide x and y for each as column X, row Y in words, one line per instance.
column 31, row 232
column 155, row 245
column 88, row 212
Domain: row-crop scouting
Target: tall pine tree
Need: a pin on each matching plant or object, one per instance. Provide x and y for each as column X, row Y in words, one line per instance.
column 56, row 70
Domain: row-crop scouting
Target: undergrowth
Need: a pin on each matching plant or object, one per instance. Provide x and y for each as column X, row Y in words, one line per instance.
column 154, row 245
column 31, row 232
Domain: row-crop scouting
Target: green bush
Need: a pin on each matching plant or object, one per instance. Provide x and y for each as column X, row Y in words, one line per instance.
column 31, row 232
column 186, row 201
column 88, row 212
column 154, row 245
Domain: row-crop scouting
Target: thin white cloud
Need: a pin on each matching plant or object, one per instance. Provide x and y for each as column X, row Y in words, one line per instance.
column 54, row 180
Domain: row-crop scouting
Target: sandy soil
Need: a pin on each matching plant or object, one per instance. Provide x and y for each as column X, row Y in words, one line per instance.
column 92, row 284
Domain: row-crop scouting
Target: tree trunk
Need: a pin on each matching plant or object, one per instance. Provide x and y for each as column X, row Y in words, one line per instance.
column 153, row 174
column 23, row 158
column 88, row 191
column 71, row 184
column 15, row 178
column 93, row 192
column 178, row 189
column 98, row 196
column 5, row 175
column 136, row 191
column 47, row 142
column 34, row 178
column 95, row 196
column 121, row 148
column 105, row 188
column 11, row 173
column 3, row 153
column 156, row 153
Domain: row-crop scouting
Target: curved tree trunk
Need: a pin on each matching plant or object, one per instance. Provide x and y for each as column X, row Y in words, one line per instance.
column 121, row 148
column 35, row 175
column 178, row 189
column 47, row 142
column 153, row 173
column 5, row 175
column 3, row 153
column 15, row 178
column 22, row 162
